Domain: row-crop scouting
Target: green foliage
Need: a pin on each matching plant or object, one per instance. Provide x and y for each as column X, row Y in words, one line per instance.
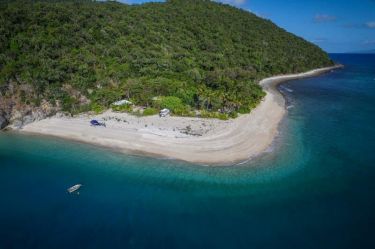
column 106, row 96
column 122, row 108
column 68, row 103
column 222, row 116
column 172, row 103
column 244, row 110
column 97, row 108
column 184, row 110
column 233, row 115
column 208, row 55
column 218, row 115
column 150, row 111
column 85, row 108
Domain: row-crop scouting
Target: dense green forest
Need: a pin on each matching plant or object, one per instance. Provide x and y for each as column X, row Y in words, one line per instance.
column 183, row 54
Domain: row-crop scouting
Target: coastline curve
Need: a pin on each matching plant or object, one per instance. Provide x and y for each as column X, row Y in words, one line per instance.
column 228, row 143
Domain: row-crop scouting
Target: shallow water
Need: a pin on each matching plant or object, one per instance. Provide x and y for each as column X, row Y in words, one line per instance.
column 314, row 189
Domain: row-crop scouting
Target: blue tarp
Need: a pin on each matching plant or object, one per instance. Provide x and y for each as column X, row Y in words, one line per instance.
column 94, row 122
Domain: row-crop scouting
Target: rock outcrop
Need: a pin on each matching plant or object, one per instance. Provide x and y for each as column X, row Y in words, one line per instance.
column 3, row 122
column 17, row 114
column 27, row 115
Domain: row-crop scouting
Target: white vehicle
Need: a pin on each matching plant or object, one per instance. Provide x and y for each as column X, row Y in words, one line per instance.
column 164, row 113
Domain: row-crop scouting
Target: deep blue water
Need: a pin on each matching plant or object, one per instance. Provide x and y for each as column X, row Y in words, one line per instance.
column 315, row 189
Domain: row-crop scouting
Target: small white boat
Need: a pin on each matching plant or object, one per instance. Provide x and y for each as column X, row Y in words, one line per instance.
column 74, row 188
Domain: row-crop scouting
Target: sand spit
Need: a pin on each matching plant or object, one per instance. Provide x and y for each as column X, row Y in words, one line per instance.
column 197, row 140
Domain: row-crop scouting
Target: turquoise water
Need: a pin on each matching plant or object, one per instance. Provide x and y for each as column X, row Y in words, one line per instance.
column 314, row 189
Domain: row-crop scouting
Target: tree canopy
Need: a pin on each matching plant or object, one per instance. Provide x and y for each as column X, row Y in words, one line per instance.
column 79, row 54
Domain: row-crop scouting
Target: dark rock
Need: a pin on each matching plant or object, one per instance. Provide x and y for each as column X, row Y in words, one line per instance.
column 3, row 122
column 27, row 119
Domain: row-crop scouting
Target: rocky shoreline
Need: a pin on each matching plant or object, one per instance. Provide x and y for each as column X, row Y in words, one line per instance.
column 3, row 122
column 18, row 118
column 17, row 113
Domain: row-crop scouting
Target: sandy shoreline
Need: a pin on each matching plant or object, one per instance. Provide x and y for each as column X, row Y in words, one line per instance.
column 197, row 140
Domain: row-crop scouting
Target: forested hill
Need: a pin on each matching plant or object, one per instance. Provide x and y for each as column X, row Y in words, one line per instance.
column 81, row 55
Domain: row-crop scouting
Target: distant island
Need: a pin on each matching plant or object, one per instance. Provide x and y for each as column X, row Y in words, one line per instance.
column 68, row 66
column 371, row 51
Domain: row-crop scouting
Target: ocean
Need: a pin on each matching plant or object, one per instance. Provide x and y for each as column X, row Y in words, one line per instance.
column 314, row 188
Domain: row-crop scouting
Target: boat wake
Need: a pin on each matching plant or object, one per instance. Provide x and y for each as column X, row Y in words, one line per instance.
column 286, row 89
column 289, row 107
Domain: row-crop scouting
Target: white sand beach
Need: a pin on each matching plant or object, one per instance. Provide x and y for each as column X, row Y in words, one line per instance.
column 197, row 140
